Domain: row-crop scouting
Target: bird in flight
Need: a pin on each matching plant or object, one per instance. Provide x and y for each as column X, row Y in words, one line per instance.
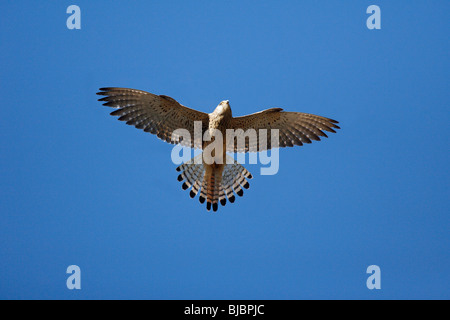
column 216, row 178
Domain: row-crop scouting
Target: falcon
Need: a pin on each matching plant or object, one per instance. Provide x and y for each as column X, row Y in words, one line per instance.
column 215, row 181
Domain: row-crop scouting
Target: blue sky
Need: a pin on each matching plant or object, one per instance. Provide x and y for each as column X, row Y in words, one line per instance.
column 80, row 188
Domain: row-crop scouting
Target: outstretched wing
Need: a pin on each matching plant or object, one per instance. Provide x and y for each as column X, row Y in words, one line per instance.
column 157, row 114
column 294, row 128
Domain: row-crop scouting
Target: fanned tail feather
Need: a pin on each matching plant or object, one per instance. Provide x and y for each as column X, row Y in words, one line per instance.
column 234, row 179
column 214, row 185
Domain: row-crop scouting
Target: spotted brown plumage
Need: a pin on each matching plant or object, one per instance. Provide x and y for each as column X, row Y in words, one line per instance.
column 214, row 181
column 295, row 128
column 160, row 115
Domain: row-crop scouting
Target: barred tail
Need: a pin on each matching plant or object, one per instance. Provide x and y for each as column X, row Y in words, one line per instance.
column 214, row 184
column 192, row 173
column 234, row 178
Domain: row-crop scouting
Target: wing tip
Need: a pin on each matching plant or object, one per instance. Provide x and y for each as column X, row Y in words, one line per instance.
column 103, row 90
column 333, row 121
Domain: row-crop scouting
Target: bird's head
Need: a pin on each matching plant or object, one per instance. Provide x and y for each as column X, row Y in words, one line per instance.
column 223, row 108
